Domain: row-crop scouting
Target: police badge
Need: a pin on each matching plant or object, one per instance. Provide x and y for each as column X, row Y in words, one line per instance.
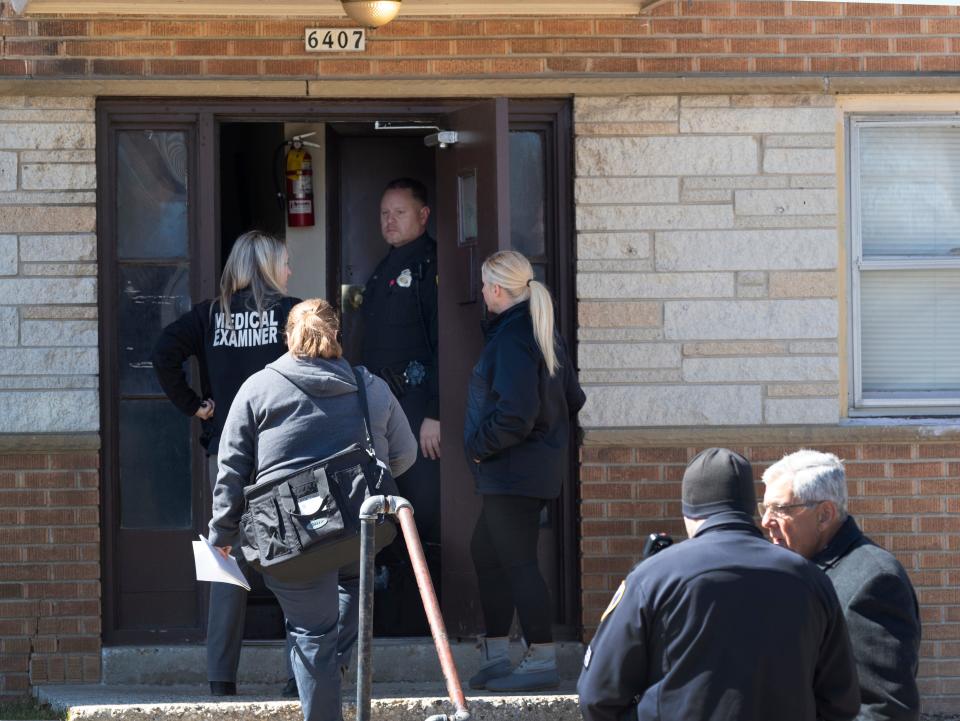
column 415, row 374
column 405, row 278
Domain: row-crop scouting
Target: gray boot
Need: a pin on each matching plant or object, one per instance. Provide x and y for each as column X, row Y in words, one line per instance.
column 537, row 671
column 494, row 661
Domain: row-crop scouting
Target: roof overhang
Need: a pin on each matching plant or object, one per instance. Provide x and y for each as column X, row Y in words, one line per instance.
column 323, row 8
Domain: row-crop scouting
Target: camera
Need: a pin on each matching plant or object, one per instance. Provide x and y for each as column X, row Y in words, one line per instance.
column 655, row 543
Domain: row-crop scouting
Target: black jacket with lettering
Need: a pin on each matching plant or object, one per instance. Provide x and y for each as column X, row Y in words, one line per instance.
column 723, row 626
column 226, row 356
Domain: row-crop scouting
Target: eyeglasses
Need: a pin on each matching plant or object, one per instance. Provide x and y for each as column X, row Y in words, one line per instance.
column 777, row 510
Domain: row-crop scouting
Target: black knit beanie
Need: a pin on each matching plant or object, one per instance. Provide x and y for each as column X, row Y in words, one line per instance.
column 717, row 480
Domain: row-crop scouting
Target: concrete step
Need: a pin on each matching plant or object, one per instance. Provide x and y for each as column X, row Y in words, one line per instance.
column 391, row 702
column 395, row 660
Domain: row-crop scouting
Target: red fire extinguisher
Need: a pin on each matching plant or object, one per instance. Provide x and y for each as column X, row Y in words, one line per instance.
column 299, row 186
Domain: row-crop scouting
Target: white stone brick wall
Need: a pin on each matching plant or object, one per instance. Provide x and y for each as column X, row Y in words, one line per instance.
column 707, row 260
column 48, row 287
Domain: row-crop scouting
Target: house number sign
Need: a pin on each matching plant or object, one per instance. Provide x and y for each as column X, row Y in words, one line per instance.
column 335, row 40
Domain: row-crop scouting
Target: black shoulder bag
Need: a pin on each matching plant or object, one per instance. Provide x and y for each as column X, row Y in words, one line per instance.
column 307, row 523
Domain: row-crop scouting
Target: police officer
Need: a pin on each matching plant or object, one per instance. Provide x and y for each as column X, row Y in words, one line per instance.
column 723, row 626
column 399, row 312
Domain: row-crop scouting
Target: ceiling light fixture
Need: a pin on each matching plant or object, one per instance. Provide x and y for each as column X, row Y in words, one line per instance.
column 371, row 13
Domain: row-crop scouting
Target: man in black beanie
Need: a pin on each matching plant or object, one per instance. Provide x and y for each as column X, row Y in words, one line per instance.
column 724, row 626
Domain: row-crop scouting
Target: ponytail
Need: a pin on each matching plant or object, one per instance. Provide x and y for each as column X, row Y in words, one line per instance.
column 311, row 332
column 513, row 272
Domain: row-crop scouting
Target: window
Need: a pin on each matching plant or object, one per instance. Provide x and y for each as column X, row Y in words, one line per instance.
column 905, row 264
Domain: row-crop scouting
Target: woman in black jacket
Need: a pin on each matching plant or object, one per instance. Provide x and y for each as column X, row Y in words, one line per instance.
column 522, row 397
column 229, row 348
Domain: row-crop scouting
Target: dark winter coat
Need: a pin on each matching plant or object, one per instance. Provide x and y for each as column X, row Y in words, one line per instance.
column 517, row 426
column 723, row 626
column 883, row 619
column 226, row 357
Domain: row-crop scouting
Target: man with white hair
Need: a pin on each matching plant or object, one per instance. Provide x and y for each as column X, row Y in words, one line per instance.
column 805, row 509
column 721, row 627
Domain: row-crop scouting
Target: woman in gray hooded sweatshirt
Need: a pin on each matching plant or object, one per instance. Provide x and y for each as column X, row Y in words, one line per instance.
column 300, row 409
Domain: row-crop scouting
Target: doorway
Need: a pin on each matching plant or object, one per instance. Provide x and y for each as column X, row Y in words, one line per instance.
column 225, row 157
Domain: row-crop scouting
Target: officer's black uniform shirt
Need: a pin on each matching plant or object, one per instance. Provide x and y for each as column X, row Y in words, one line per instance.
column 400, row 313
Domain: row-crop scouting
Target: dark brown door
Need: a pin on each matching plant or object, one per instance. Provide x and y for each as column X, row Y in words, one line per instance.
column 473, row 221
column 150, row 270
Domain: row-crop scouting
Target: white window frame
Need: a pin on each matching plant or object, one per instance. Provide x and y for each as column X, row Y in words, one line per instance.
column 893, row 404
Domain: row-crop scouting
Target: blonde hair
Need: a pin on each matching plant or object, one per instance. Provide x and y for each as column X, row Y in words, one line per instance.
column 257, row 262
column 513, row 272
column 312, row 330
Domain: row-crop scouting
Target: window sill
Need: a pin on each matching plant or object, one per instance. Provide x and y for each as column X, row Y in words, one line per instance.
column 906, row 414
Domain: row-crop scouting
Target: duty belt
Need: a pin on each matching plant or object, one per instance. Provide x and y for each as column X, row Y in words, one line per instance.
column 404, row 376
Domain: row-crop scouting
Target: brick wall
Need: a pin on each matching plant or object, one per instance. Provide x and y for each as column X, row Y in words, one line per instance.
column 905, row 496
column 49, row 501
column 49, row 569
column 678, row 36
column 48, row 287
column 707, row 260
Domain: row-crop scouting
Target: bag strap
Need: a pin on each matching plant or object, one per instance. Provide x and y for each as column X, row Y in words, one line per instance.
column 362, row 391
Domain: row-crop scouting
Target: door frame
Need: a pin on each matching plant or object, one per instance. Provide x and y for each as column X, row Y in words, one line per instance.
column 552, row 117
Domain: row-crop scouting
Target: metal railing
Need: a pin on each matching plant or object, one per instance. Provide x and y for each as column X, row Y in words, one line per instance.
column 372, row 509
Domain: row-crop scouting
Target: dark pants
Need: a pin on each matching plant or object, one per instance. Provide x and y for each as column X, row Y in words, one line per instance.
column 504, row 551
column 421, row 483
column 399, row 611
column 348, row 627
column 226, row 616
column 228, row 609
column 311, row 613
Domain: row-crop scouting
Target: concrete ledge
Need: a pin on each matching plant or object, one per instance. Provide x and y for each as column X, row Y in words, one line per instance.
column 853, row 431
column 393, row 702
column 465, row 87
column 48, row 442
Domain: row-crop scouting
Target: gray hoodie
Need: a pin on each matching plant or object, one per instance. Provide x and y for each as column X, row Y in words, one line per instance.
column 292, row 413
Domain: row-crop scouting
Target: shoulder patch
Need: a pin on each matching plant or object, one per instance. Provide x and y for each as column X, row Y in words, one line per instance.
column 617, row 597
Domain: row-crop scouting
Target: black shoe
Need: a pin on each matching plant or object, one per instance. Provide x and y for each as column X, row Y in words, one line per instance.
column 223, row 688
column 290, row 690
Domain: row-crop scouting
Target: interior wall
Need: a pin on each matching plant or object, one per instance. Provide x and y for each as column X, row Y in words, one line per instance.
column 308, row 246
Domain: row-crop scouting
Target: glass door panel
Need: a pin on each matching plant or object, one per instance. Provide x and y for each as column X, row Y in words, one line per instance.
column 152, row 473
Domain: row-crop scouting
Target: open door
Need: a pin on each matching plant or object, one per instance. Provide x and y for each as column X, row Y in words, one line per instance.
column 473, row 221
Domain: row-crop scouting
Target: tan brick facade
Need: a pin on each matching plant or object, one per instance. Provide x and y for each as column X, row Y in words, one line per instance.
column 49, row 569
column 668, row 335
column 904, row 494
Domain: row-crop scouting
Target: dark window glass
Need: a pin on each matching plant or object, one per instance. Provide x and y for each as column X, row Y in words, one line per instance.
column 468, row 208
column 154, row 465
column 527, row 195
column 540, row 272
column 152, row 194
column 151, row 297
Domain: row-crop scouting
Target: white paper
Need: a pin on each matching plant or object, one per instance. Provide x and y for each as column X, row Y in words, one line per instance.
column 309, row 506
column 211, row 566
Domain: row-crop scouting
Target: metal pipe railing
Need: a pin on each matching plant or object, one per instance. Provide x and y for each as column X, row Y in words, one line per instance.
column 372, row 508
